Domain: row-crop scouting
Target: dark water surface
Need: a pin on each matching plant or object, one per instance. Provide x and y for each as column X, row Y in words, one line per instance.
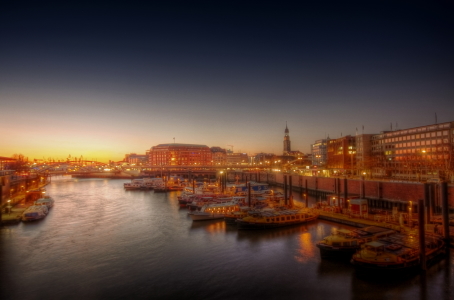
column 102, row 242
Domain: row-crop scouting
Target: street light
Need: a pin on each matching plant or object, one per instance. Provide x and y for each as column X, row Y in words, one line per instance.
column 9, row 206
column 409, row 214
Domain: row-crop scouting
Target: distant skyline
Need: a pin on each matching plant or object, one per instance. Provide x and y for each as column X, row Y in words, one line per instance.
column 104, row 81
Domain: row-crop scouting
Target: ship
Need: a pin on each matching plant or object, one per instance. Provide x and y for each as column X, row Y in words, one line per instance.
column 344, row 242
column 279, row 217
column 396, row 254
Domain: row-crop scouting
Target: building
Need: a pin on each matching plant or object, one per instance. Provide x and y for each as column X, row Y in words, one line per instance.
column 418, row 153
column 136, row 159
column 218, row 156
column 180, row 155
column 264, row 159
column 364, row 153
column 287, row 147
column 341, row 155
column 319, row 152
column 237, row 159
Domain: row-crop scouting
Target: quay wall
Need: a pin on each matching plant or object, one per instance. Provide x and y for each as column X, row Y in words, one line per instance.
column 391, row 191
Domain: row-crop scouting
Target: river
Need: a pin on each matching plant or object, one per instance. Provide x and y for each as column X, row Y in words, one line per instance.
column 102, row 242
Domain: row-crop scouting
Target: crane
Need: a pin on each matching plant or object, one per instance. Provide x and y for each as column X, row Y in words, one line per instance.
column 231, row 146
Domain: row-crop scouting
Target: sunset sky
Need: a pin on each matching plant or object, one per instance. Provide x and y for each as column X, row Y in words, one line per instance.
column 101, row 81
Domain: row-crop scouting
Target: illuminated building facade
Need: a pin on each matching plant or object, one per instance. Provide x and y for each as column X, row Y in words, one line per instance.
column 237, row 159
column 218, row 156
column 341, row 154
column 364, row 161
column 417, row 153
column 180, row 155
column 319, row 152
column 136, row 159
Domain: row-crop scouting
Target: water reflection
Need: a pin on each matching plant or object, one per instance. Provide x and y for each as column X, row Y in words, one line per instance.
column 100, row 241
column 209, row 226
column 307, row 250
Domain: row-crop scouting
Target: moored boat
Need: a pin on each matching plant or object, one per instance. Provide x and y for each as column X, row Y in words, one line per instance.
column 230, row 218
column 396, row 253
column 35, row 212
column 46, row 200
column 217, row 210
column 266, row 219
column 344, row 243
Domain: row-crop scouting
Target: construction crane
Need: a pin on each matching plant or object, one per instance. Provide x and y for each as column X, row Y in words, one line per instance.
column 231, row 146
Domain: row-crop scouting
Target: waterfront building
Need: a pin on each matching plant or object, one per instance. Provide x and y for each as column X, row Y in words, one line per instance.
column 6, row 162
column 218, row 156
column 5, row 179
column 341, row 155
column 237, row 159
column 136, row 159
column 264, row 159
column 418, row 153
column 180, row 155
column 319, row 152
column 364, row 154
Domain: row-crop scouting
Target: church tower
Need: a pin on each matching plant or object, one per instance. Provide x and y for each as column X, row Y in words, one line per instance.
column 287, row 148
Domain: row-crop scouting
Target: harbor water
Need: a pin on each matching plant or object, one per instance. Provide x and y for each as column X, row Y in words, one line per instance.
column 102, row 242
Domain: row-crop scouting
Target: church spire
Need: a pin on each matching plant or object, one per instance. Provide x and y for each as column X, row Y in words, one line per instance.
column 287, row 148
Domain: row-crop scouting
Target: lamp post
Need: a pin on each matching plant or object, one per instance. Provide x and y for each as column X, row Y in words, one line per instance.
column 409, row 214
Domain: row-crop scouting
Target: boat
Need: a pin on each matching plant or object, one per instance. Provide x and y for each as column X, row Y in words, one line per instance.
column 231, row 217
column 201, row 200
column 217, row 210
column 46, row 200
column 344, row 242
column 143, row 183
column 35, row 212
column 185, row 199
column 175, row 188
column 273, row 218
column 396, row 253
column 137, row 184
column 160, row 189
column 242, row 188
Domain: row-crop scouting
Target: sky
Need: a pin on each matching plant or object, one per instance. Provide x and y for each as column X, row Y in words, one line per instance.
column 103, row 80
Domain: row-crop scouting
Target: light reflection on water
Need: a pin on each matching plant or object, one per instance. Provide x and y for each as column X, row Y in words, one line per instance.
column 100, row 241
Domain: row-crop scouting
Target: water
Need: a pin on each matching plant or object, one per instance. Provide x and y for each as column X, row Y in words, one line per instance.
column 102, row 242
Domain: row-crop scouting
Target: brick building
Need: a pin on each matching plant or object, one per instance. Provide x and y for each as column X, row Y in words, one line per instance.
column 341, row 155
column 180, row 155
